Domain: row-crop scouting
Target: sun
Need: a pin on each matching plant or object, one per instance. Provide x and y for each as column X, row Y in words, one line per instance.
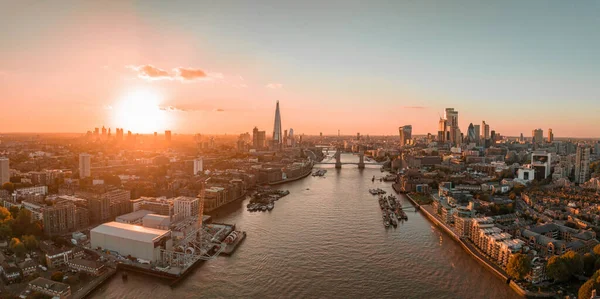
column 139, row 111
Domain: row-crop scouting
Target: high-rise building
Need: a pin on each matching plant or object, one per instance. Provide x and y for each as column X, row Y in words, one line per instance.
column 103, row 131
column 96, row 132
column 477, row 129
column 59, row 218
column 258, row 138
column 471, row 133
column 537, row 136
column 198, row 166
column 541, row 163
column 168, row 136
column 119, row 134
column 521, row 138
column 405, row 134
column 582, row 164
column 550, row 136
column 291, row 140
column 277, row 133
column 4, row 171
column 84, row 165
column 452, row 130
column 485, row 131
column 186, row 206
column 442, row 130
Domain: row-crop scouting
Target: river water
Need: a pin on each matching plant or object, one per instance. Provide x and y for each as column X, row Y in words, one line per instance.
column 327, row 240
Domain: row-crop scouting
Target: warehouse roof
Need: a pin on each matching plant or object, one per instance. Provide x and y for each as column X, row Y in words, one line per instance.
column 133, row 216
column 130, row 231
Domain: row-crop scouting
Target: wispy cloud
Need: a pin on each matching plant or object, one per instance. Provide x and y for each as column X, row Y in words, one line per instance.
column 274, row 85
column 219, row 110
column 183, row 74
column 150, row 72
column 189, row 74
column 107, row 107
column 414, row 107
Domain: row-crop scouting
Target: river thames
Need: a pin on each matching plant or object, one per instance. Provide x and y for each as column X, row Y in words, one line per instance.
column 327, row 240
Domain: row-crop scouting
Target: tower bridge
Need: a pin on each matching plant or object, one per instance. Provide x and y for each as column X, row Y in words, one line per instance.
column 338, row 160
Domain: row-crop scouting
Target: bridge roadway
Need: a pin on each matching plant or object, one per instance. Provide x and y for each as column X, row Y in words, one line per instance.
column 347, row 163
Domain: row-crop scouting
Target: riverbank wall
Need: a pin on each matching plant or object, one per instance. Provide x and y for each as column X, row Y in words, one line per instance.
column 292, row 179
column 473, row 252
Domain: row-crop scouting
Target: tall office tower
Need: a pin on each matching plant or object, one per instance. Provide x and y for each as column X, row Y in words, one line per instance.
column 358, row 136
column 452, row 129
column 442, row 130
column 168, row 136
column 96, row 132
column 285, row 138
column 493, row 136
column 405, row 134
column 108, row 134
column 277, row 136
column 471, row 133
column 103, row 131
column 198, row 165
column 582, row 164
column 485, row 131
column 538, row 136
column 477, row 130
column 120, row 134
column 521, row 138
column 550, row 136
column 292, row 141
column 4, row 171
column 84, row 165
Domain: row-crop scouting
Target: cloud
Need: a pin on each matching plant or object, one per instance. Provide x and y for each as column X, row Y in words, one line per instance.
column 188, row 74
column 274, row 85
column 219, row 110
column 150, row 72
column 107, row 107
column 414, row 107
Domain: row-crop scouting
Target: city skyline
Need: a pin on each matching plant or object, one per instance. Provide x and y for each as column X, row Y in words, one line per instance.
column 221, row 69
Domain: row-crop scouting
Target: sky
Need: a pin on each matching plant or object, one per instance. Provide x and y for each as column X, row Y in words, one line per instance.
column 214, row 67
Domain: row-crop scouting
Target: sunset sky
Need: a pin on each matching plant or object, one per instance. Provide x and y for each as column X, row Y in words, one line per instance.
column 358, row 66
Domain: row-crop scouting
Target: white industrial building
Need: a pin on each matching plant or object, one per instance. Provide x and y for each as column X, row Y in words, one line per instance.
column 127, row 239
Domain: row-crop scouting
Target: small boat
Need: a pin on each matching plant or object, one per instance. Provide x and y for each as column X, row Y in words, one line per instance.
column 373, row 179
column 270, row 206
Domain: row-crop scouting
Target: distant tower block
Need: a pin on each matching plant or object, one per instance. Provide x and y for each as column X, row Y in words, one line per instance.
column 338, row 159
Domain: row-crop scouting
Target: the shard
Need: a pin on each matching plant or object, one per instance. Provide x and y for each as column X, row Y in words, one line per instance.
column 277, row 135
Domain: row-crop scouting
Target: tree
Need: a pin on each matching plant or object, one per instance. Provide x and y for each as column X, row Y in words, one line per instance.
column 5, row 231
column 518, row 266
column 4, row 214
column 585, row 291
column 557, row 269
column 597, row 250
column 589, row 262
column 573, row 261
column 14, row 211
column 57, row 276
column 8, row 186
column 30, row 242
column 19, row 249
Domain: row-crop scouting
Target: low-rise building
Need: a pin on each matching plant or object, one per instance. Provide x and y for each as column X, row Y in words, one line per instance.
column 90, row 267
column 50, row 288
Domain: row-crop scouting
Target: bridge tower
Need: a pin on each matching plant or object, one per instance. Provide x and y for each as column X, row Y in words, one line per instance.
column 361, row 157
column 338, row 159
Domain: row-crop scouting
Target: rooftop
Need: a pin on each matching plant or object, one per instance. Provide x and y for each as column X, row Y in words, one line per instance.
column 134, row 215
column 129, row 231
column 49, row 284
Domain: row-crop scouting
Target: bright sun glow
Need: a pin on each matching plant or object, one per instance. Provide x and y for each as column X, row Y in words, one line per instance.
column 138, row 111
